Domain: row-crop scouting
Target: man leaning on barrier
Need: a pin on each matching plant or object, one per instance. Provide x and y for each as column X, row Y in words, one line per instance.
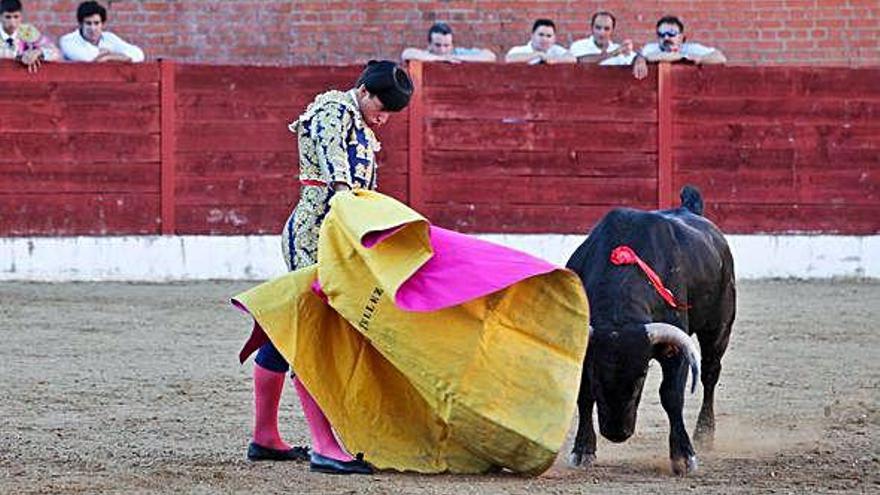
column 541, row 48
column 599, row 47
column 671, row 46
column 442, row 49
column 91, row 43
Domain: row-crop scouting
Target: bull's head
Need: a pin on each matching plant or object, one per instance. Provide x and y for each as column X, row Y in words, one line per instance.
column 618, row 364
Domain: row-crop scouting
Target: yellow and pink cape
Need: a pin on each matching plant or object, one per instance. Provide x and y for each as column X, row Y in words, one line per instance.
column 428, row 350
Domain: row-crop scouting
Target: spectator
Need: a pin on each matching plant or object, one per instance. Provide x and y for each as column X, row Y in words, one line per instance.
column 90, row 43
column 23, row 42
column 441, row 49
column 672, row 47
column 600, row 47
column 542, row 49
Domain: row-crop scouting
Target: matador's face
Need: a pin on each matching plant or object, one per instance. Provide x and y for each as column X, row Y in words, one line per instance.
column 372, row 109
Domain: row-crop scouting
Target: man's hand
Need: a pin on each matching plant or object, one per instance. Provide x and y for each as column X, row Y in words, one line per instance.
column 626, row 47
column 108, row 56
column 640, row 68
column 32, row 59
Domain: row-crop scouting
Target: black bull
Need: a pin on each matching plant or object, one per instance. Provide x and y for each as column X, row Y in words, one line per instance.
column 630, row 323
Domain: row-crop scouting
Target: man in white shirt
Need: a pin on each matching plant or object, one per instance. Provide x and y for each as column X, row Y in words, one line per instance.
column 542, row 48
column 672, row 47
column 441, row 49
column 90, row 43
column 600, row 47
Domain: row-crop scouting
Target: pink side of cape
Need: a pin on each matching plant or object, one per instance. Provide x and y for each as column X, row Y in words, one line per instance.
column 464, row 268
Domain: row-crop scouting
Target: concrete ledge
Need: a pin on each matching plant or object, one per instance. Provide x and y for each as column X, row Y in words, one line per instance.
column 166, row 258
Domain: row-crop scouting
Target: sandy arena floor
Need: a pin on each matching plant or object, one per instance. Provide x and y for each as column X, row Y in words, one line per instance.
column 121, row 388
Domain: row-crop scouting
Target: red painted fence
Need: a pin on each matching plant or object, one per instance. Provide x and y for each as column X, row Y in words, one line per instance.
column 189, row 149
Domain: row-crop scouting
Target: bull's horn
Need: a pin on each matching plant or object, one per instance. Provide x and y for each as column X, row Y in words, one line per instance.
column 664, row 333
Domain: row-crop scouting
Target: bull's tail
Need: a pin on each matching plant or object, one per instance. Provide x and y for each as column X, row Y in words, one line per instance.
column 692, row 199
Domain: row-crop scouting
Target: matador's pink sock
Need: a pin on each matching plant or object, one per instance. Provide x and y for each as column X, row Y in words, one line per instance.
column 323, row 440
column 267, row 395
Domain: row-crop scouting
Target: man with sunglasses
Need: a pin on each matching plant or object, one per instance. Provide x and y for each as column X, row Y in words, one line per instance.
column 600, row 47
column 672, row 47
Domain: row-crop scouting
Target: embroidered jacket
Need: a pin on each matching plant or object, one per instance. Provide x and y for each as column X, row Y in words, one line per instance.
column 335, row 144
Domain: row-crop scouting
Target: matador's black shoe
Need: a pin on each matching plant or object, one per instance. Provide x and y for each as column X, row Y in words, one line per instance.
column 324, row 464
column 260, row 453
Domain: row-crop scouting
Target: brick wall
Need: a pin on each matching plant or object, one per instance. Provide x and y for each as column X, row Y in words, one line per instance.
column 271, row 32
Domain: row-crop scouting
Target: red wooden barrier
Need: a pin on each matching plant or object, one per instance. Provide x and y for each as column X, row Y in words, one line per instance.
column 781, row 149
column 512, row 148
column 79, row 150
column 189, row 149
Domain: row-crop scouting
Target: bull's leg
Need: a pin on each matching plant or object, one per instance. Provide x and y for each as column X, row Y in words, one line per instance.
column 584, row 451
column 713, row 344
column 681, row 452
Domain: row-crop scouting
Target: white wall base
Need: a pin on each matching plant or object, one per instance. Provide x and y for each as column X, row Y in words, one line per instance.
column 165, row 258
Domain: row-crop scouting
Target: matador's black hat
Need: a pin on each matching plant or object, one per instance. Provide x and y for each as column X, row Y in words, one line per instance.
column 389, row 82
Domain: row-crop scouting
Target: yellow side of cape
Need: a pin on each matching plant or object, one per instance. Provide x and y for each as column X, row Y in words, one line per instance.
column 491, row 382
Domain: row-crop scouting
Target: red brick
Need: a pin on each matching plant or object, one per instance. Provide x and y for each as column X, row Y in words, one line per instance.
column 337, row 31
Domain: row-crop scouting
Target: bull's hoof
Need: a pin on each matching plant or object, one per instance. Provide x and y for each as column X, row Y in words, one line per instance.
column 576, row 459
column 683, row 466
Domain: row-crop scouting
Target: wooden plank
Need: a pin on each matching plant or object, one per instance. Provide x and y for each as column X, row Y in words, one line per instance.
column 79, row 177
column 62, row 214
column 782, row 82
column 415, row 188
column 539, row 190
column 168, row 146
column 777, row 136
column 623, row 103
column 393, row 161
column 775, row 110
column 592, row 79
column 840, row 187
column 252, row 189
column 226, row 78
column 66, row 73
column 238, row 162
column 665, row 137
column 254, row 137
column 394, row 135
column 728, row 158
column 395, row 185
column 77, row 147
column 760, row 186
column 233, row 219
column 518, row 219
column 484, row 163
column 745, row 186
column 795, row 218
column 539, row 136
column 251, row 137
column 53, row 118
column 244, row 107
column 237, row 190
column 15, row 94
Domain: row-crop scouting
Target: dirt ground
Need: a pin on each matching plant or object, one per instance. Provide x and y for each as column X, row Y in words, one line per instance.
column 131, row 388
